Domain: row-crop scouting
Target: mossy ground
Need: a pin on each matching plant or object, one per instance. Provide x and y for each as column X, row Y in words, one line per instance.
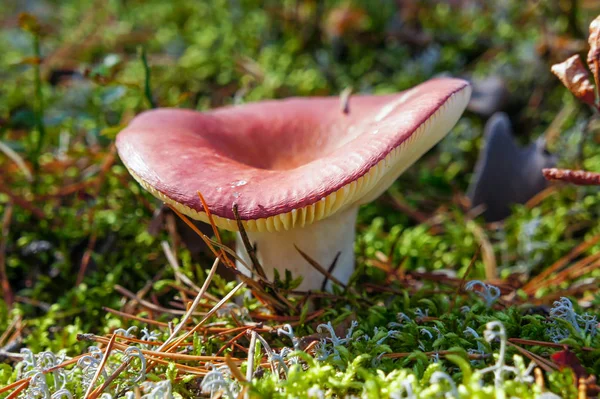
column 80, row 235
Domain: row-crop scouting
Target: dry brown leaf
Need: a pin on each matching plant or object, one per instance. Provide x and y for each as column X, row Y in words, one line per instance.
column 573, row 74
column 29, row 23
column 344, row 20
column 566, row 358
column 593, row 58
column 579, row 177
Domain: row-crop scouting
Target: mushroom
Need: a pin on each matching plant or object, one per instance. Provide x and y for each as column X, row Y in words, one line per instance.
column 505, row 173
column 298, row 169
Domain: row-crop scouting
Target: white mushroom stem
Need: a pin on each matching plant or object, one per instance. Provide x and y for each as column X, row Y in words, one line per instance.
column 321, row 241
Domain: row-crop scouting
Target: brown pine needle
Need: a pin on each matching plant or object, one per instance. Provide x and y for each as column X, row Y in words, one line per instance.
column 461, row 285
column 544, row 364
column 194, row 305
column 7, row 292
column 6, row 333
column 195, row 229
column 109, row 348
column 544, row 343
column 15, row 394
column 211, row 245
column 87, row 256
column 472, row 356
column 257, row 290
column 160, row 354
column 577, row 269
column 276, row 300
column 279, row 303
column 249, row 248
column 244, row 329
column 539, row 197
column 535, row 282
column 149, row 305
column 125, row 365
column 396, row 200
column 138, row 341
column 487, row 253
column 18, row 386
column 218, row 306
column 235, row 371
column 178, row 366
column 330, row 270
column 214, row 228
column 17, row 159
column 320, row 268
column 243, row 392
column 231, row 342
column 231, row 252
column 177, row 269
column 26, row 380
column 22, row 202
column 209, row 215
column 136, row 318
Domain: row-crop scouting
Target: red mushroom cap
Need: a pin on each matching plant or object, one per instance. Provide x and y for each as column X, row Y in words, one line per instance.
column 290, row 162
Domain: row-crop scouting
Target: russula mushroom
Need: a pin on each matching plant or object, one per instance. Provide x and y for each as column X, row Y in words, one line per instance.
column 298, row 169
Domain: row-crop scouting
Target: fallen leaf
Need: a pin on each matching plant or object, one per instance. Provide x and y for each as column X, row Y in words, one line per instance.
column 30, row 61
column 345, row 19
column 579, row 177
column 568, row 359
column 29, row 23
column 573, row 74
column 593, row 58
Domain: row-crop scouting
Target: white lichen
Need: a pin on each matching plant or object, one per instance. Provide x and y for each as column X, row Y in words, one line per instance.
column 489, row 293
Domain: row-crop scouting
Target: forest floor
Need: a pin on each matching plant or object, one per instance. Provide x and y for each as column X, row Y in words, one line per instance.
column 96, row 275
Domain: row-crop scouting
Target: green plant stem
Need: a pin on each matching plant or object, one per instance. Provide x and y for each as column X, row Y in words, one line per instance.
column 39, row 112
column 147, row 85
